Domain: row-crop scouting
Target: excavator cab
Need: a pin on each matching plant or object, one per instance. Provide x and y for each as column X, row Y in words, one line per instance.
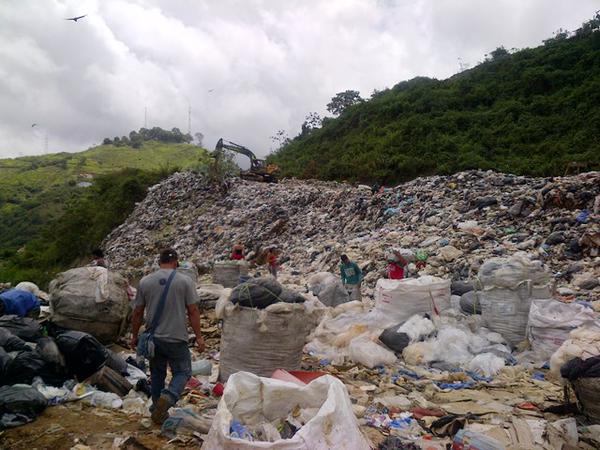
column 259, row 169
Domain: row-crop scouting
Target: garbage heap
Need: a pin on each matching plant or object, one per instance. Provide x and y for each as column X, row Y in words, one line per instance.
column 454, row 223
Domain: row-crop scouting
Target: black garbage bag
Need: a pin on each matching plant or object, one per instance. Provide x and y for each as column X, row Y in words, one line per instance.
column 257, row 293
column 27, row 365
column 20, row 405
column 49, row 350
column 461, row 287
column 291, row 296
column 24, row 367
column 4, row 360
column 24, row 327
column 83, row 353
column 394, row 340
column 10, row 342
column 117, row 363
column 581, row 368
column 469, row 303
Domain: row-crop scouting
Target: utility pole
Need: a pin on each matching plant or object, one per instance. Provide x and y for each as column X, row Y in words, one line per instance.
column 145, row 117
column 46, row 144
column 189, row 119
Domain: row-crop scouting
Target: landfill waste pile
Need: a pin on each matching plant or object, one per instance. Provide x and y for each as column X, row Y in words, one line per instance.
column 491, row 342
column 450, row 224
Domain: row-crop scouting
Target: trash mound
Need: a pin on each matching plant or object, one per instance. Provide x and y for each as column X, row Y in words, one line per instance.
column 451, row 224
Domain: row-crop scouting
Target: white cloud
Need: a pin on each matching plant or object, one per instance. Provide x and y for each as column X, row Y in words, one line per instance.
column 247, row 68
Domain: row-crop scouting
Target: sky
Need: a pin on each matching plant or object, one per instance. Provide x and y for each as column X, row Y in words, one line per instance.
column 246, row 68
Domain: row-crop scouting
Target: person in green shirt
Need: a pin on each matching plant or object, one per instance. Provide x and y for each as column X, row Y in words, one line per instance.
column 351, row 277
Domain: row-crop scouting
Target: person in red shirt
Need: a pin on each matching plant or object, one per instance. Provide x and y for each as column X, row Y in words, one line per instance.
column 395, row 268
column 237, row 254
column 272, row 262
column 395, row 271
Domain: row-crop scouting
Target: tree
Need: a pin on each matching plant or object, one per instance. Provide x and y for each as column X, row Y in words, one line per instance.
column 499, row 53
column 106, row 141
column 199, row 138
column 280, row 139
column 311, row 122
column 342, row 101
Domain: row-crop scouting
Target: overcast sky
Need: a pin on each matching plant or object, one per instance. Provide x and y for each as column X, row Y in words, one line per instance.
column 246, row 67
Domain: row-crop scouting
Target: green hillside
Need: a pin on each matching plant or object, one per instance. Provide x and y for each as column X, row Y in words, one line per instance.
column 35, row 190
column 535, row 111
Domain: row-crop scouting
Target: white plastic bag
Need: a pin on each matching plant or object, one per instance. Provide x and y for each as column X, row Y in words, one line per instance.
column 486, row 364
column 417, row 327
column 253, row 400
column 364, row 351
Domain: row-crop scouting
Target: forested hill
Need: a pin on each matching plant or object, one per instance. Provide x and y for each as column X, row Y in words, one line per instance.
column 535, row 111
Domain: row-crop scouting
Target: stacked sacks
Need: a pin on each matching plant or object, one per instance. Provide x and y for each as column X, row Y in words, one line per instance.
column 90, row 299
column 507, row 287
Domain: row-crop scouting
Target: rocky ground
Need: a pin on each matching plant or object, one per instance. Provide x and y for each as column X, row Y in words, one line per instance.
column 458, row 221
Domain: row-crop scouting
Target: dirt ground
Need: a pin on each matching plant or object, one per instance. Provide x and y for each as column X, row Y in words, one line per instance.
column 64, row 427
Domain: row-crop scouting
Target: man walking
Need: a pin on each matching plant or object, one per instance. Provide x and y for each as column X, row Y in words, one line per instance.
column 351, row 277
column 170, row 331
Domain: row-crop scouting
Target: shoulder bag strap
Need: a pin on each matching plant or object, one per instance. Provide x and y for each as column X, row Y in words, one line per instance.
column 161, row 303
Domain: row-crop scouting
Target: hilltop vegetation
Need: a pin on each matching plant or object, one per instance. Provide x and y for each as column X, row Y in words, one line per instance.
column 70, row 238
column 535, row 111
column 34, row 191
column 137, row 138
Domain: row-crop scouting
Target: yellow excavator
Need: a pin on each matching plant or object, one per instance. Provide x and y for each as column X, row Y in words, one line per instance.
column 259, row 169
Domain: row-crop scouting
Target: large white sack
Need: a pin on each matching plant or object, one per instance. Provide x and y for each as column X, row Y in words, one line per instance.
column 261, row 341
column 90, row 299
column 398, row 300
column 551, row 321
column 508, row 272
column 328, row 288
column 228, row 273
column 253, row 400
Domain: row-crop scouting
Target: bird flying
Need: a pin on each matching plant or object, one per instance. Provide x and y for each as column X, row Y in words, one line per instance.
column 75, row 19
column 33, row 125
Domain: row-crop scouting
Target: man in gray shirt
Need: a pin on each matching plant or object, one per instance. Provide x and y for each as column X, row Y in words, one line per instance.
column 170, row 335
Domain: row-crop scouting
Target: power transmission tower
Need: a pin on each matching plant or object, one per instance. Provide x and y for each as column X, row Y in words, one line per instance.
column 189, row 119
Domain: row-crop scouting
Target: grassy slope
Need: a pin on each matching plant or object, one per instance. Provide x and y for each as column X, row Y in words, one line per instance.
column 34, row 189
column 531, row 112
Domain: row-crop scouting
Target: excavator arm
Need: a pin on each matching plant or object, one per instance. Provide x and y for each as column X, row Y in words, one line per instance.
column 255, row 163
column 259, row 170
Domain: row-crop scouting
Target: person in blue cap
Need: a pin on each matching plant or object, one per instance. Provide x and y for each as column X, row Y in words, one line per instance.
column 20, row 303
